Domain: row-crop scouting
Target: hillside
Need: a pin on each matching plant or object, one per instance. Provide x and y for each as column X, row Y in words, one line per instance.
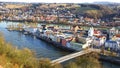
column 68, row 12
column 12, row 6
column 92, row 9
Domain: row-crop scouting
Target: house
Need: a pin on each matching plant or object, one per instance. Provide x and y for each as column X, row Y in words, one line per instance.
column 113, row 31
column 75, row 28
column 116, row 21
column 99, row 40
column 97, row 33
column 93, row 32
column 116, row 37
column 112, row 44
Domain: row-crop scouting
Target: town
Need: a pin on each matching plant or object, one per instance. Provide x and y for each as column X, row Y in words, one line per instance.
column 65, row 14
column 80, row 14
column 62, row 31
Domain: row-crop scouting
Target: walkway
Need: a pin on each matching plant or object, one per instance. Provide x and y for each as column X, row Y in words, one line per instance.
column 73, row 55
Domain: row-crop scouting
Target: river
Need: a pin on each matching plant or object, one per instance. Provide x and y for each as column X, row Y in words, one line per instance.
column 41, row 48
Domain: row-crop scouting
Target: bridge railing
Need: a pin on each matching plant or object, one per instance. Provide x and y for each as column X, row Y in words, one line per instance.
column 73, row 55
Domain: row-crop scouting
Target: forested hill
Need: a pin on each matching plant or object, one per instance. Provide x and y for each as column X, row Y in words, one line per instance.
column 95, row 10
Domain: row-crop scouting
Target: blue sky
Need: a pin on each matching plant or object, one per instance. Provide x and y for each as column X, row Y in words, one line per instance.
column 59, row 1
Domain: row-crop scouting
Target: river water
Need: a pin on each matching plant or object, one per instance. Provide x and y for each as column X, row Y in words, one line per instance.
column 41, row 48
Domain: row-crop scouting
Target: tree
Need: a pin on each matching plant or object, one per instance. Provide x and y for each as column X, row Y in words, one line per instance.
column 94, row 13
column 88, row 61
column 71, row 65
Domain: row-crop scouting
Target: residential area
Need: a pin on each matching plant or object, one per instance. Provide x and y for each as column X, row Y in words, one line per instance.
column 59, row 35
column 81, row 14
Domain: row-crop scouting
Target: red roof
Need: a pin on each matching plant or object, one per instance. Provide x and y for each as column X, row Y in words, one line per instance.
column 117, row 35
column 99, row 36
column 97, row 32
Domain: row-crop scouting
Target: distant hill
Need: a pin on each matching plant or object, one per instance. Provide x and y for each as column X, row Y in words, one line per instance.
column 86, row 7
column 105, row 2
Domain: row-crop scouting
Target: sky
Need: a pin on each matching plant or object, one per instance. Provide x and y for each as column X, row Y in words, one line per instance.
column 59, row 1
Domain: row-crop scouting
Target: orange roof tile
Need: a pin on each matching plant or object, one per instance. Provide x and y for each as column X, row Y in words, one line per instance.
column 117, row 35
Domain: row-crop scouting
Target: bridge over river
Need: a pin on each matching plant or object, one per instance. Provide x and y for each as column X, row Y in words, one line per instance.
column 73, row 55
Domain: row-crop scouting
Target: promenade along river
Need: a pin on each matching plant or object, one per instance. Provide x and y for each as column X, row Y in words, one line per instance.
column 41, row 48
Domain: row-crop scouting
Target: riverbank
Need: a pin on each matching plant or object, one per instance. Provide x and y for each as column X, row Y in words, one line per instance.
column 56, row 38
column 60, row 23
column 56, row 44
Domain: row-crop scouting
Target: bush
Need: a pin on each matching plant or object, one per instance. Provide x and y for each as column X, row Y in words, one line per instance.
column 71, row 65
column 88, row 61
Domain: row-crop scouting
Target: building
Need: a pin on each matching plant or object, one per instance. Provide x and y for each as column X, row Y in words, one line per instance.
column 113, row 31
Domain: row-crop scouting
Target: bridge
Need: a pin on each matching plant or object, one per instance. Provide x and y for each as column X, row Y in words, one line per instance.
column 73, row 55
